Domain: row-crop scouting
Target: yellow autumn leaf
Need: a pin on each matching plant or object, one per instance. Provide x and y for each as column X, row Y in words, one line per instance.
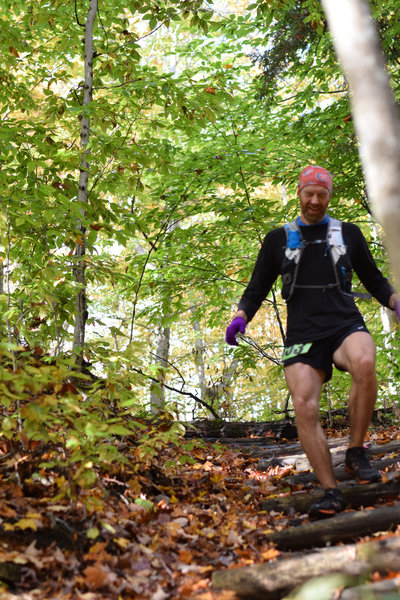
column 24, row 523
column 122, row 542
column 34, row 515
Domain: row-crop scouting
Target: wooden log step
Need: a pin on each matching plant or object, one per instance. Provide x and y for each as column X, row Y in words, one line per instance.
column 344, row 526
column 304, row 478
column 355, row 495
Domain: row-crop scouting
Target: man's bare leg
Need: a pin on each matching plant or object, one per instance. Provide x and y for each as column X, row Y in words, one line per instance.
column 357, row 355
column 305, row 383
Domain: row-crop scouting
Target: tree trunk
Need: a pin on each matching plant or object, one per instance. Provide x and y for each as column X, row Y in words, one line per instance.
column 199, row 358
column 157, row 390
column 83, row 190
column 215, row 391
column 374, row 111
column 211, row 394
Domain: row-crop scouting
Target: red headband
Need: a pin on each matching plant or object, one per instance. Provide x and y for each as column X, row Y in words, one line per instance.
column 314, row 175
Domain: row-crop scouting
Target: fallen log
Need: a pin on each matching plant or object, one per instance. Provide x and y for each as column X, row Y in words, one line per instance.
column 344, row 526
column 337, row 447
column 340, row 472
column 355, row 496
column 281, row 428
column 220, row 429
column 274, row 579
column 294, row 451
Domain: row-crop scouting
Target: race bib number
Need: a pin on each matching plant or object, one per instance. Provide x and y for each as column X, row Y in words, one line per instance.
column 295, row 350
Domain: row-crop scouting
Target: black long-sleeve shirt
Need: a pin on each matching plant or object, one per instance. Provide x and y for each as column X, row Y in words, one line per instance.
column 313, row 314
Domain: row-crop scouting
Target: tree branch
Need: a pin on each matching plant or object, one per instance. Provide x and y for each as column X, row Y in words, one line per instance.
column 77, row 17
column 172, row 389
column 251, row 342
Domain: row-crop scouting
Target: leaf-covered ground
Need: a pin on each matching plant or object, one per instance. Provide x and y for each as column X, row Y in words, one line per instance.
column 154, row 527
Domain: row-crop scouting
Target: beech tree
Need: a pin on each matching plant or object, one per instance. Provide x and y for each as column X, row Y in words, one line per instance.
column 375, row 112
column 83, row 191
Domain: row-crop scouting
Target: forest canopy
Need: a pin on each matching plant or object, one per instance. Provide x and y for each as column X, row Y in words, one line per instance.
column 146, row 149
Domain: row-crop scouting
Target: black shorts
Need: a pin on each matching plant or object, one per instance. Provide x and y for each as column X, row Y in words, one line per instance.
column 320, row 354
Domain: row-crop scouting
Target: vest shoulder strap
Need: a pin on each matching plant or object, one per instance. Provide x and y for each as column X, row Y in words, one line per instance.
column 293, row 235
column 292, row 226
column 334, row 236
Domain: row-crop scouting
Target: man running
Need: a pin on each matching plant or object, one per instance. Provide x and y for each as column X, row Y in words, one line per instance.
column 315, row 255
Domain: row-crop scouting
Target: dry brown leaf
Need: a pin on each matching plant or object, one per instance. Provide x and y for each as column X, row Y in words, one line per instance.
column 98, row 576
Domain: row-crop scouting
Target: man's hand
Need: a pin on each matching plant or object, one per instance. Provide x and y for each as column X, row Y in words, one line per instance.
column 397, row 308
column 238, row 325
column 394, row 304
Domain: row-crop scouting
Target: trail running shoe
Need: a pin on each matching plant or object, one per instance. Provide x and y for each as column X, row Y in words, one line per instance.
column 332, row 503
column 358, row 465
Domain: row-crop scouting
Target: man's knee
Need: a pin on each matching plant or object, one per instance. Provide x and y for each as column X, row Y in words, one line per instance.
column 364, row 366
column 305, row 408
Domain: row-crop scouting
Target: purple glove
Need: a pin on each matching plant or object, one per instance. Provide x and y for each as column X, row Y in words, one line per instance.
column 397, row 308
column 238, row 325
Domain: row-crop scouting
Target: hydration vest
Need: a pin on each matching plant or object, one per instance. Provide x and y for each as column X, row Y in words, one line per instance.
column 336, row 249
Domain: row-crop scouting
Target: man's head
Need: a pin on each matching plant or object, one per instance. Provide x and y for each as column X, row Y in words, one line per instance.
column 314, row 191
column 314, row 175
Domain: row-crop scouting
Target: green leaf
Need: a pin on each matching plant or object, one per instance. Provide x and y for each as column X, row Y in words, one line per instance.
column 93, row 533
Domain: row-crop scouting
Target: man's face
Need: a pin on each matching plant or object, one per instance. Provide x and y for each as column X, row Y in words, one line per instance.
column 314, row 201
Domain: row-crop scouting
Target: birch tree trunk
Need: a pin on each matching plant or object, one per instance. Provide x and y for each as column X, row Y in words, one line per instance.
column 80, row 248
column 199, row 359
column 375, row 113
column 210, row 394
column 157, row 390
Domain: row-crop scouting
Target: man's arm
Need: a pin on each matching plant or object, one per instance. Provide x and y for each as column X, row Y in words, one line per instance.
column 364, row 265
column 266, row 270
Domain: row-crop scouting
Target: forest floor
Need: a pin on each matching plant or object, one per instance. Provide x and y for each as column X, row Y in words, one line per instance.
column 178, row 524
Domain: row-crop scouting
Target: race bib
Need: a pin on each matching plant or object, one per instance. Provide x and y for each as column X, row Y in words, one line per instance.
column 295, row 350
